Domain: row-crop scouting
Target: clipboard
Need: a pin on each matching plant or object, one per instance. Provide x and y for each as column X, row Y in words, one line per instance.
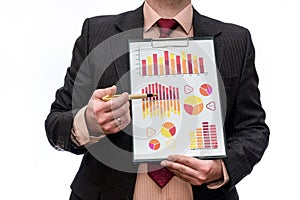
column 186, row 116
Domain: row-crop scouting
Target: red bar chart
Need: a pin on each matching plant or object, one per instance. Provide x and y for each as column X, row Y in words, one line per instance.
column 204, row 137
column 167, row 101
column 169, row 63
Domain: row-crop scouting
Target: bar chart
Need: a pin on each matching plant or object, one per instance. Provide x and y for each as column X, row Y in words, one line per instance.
column 204, row 137
column 167, row 101
column 169, row 63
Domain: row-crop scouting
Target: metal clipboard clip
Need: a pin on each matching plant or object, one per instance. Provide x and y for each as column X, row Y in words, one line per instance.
column 169, row 42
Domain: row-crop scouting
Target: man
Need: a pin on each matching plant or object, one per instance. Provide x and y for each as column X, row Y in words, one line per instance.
column 81, row 122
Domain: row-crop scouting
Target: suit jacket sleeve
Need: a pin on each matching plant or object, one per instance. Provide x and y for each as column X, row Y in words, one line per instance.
column 247, row 133
column 59, row 122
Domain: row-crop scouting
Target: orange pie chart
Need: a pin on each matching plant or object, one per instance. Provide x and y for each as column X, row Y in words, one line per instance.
column 154, row 144
column 205, row 89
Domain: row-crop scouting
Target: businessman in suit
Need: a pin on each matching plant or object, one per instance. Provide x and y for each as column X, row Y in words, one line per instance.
column 80, row 122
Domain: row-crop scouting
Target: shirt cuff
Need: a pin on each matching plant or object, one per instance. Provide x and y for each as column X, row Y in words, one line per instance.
column 80, row 134
column 220, row 183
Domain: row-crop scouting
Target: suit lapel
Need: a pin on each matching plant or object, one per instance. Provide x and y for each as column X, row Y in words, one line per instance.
column 206, row 27
column 130, row 27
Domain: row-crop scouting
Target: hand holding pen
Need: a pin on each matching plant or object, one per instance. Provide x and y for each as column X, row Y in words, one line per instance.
column 107, row 116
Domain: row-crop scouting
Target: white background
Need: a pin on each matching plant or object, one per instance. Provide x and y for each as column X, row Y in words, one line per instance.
column 36, row 42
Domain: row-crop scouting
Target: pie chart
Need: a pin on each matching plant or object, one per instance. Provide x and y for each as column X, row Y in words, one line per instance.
column 205, row 89
column 154, row 144
column 168, row 129
column 193, row 105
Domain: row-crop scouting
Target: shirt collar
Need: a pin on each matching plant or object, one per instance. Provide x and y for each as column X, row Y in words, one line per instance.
column 184, row 17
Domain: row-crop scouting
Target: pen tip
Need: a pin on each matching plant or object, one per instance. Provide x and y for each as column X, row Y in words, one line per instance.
column 152, row 95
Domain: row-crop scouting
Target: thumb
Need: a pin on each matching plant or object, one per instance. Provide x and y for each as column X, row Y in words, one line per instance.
column 99, row 93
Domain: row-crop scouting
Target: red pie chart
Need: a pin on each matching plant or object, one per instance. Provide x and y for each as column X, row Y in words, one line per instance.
column 193, row 105
column 205, row 89
column 154, row 144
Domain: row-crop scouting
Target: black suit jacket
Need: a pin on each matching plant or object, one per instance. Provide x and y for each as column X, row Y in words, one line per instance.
column 107, row 64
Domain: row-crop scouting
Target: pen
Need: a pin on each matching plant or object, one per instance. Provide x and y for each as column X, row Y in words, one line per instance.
column 131, row 96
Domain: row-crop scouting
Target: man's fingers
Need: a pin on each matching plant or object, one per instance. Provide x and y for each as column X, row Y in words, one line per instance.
column 178, row 167
column 185, row 160
column 118, row 106
column 120, row 101
column 113, row 104
column 112, row 115
column 99, row 93
column 115, row 125
column 184, row 172
column 104, row 113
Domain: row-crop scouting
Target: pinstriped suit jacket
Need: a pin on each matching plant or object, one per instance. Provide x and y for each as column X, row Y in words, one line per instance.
column 107, row 64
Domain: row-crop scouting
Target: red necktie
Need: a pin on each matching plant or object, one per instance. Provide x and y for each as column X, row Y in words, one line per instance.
column 161, row 176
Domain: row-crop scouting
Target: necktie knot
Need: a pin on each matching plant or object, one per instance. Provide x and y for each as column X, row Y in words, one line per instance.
column 166, row 26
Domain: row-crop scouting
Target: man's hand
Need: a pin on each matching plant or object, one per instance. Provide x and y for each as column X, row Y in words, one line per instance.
column 107, row 117
column 193, row 170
